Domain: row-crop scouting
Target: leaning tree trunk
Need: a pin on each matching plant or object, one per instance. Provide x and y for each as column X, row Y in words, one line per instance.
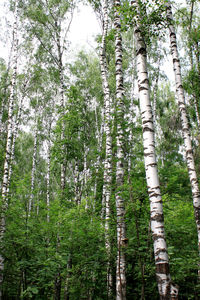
column 108, row 156
column 121, row 230
column 165, row 286
column 184, row 122
column 5, row 180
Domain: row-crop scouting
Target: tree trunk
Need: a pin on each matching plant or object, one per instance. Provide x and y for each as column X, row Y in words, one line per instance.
column 5, row 180
column 48, row 169
column 108, row 156
column 121, row 230
column 62, row 104
column 30, row 204
column 184, row 122
column 165, row 287
column 15, row 133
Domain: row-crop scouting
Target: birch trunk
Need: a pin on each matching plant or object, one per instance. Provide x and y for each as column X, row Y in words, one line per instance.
column 121, row 230
column 30, row 204
column 15, row 133
column 77, row 184
column 58, row 279
column 62, row 103
column 184, row 122
column 5, row 180
column 197, row 112
column 165, row 286
column 48, row 170
column 195, row 97
column 108, row 157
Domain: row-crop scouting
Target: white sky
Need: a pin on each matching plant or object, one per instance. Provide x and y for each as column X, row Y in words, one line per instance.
column 82, row 33
column 84, row 28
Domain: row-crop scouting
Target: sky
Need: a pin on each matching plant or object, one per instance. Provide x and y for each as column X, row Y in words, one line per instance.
column 84, row 28
column 82, row 33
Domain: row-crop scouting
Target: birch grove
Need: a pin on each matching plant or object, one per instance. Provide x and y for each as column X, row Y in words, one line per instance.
column 91, row 206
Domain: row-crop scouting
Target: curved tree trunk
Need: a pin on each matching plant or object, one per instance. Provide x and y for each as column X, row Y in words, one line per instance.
column 165, row 287
column 121, row 230
column 184, row 122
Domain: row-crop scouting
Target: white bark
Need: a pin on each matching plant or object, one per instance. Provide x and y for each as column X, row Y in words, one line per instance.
column 121, row 230
column 15, row 133
column 197, row 112
column 108, row 156
column 5, row 180
column 77, row 184
column 30, row 204
column 165, row 287
column 62, row 103
column 184, row 122
column 48, row 169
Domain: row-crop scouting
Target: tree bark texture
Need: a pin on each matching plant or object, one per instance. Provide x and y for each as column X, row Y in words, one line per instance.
column 108, row 157
column 184, row 122
column 30, row 204
column 62, row 102
column 165, row 286
column 5, row 180
column 121, row 230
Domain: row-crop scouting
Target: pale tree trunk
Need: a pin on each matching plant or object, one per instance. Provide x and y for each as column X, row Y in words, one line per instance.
column 121, row 230
column 30, row 204
column 191, row 46
column 165, row 286
column 184, row 122
column 155, row 90
column 197, row 55
column 48, row 169
column 197, row 112
column 58, row 279
column 5, row 87
column 5, row 180
column 15, row 133
column 155, row 100
column 62, row 104
column 190, row 40
column 77, row 184
column 108, row 156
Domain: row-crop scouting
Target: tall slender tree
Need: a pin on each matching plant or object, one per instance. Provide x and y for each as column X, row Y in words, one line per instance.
column 5, row 182
column 106, row 195
column 121, row 228
column 165, row 287
column 184, row 121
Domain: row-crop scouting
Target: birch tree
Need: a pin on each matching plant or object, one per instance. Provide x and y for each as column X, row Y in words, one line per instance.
column 108, row 156
column 121, row 230
column 4, row 205
column 184, row 121
column 165, row 287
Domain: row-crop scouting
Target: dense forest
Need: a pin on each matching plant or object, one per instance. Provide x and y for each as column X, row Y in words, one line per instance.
column 99, row 153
